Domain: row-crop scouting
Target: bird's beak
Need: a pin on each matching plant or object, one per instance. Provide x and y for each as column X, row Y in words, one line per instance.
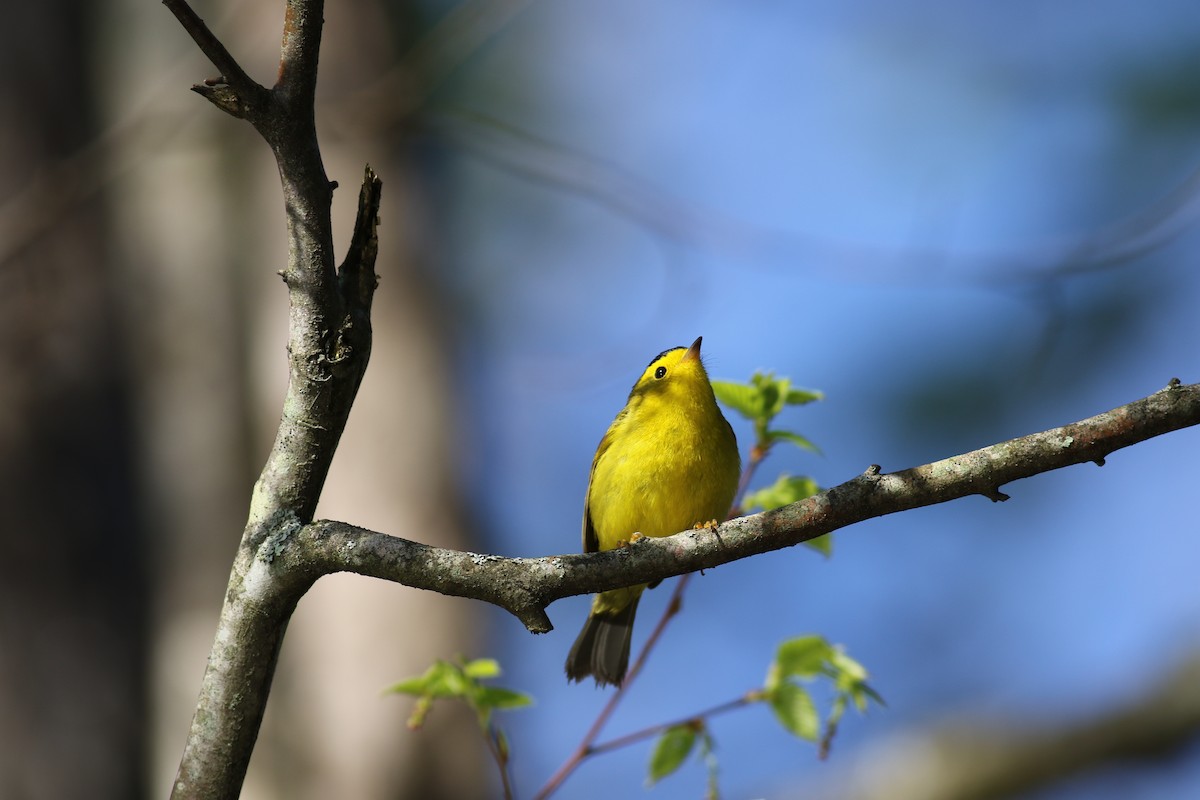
column 693, row 351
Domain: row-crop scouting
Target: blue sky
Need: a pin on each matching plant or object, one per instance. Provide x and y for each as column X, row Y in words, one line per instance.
column 884, row 202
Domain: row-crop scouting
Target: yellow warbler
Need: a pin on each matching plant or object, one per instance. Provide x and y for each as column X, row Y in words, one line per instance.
column 668, row 462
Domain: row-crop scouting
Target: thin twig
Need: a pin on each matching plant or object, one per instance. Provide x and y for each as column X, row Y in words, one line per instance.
column 653, row 730
column 586, row 747
column 758, row 452
column 210, row 45
column 501, row 761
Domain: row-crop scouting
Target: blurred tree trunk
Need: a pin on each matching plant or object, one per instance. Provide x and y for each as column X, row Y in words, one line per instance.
column 975, row 757
column 72, row 583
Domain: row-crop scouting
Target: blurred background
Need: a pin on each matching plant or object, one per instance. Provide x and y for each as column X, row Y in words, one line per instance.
column 962, row 221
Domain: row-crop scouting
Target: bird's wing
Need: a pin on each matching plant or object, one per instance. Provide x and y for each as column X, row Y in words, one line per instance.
column 591, row 542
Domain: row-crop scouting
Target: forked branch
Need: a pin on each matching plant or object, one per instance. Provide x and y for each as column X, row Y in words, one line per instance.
column 329, row 343
column 282, row 552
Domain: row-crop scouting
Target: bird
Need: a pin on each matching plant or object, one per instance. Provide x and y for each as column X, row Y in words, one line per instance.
column 668, row 462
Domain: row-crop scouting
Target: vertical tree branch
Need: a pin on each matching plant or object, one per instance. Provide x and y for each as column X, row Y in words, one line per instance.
column 300, row 50
column 329, row 343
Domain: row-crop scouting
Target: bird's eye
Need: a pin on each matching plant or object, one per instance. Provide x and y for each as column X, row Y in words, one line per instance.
column 660, row 373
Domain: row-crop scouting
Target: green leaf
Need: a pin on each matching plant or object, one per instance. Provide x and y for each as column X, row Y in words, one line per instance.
column 822, row 544
column 772, row 390
column 486, row 699
column 433, row 681
column 785, row 490
column 849, row 671
column 862, row 693
column 739, row 397
column 447, row 680
column 500, row 698
column 773, row 393
column 670, row 751
column 802, row 657
column 482, row 668
column 794, row 438
column 800, row 397
column 761, row 400
column 850, row 678
column 795, row 710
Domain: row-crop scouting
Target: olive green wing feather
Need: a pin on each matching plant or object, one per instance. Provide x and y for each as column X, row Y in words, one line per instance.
column 591, row 542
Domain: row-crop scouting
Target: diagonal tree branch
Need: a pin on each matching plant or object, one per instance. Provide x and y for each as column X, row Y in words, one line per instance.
column 231, row 71
column 525, row 586
column 234, row 92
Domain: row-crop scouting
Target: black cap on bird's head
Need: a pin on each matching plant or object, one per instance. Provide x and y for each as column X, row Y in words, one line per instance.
column 684, row 359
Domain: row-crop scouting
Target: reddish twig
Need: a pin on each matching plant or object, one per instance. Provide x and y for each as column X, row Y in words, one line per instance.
column 586, row 747
column 653, row 730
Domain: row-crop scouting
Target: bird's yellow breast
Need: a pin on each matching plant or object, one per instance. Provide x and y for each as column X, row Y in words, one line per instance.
column 670, row 463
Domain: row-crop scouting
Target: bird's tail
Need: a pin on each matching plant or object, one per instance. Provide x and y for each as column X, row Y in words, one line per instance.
column 602, row 647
